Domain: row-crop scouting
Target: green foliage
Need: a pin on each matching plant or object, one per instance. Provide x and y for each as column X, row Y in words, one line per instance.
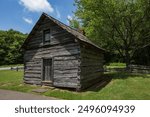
column 74, row 23
column 116, row 65
column 123, row 86
column 10, row 43
column 121, row 26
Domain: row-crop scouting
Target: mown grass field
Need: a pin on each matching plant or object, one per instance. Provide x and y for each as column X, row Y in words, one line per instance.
column 123, row 86
column 116, row 65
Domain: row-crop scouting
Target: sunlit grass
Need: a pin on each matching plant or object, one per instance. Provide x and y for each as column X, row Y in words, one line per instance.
column 122, row 86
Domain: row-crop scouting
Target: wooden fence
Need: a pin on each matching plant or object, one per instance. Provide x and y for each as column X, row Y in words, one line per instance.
column 132, row 69
column 139, row 69
column 17, row 68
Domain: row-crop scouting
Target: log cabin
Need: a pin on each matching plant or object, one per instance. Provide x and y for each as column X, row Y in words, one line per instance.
column 60, row 56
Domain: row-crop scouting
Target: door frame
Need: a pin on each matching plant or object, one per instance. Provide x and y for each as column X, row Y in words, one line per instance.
column 42, row 68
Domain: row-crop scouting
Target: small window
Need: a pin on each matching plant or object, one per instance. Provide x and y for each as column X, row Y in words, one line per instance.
column 46, row 35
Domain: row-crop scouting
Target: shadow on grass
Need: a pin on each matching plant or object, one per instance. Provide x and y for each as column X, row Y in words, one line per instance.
column 101, row 84
column 114, row 75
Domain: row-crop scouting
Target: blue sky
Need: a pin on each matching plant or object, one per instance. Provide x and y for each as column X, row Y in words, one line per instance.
column 21, row 15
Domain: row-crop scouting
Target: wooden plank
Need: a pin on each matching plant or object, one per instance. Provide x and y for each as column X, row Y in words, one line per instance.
column 59, row 75
column 66, row 84
column 64, row 80
column 32, row 72
column 29, row 75
column 32, row 68
column 66, row 63
column 33, row 82
column 64, row 71
column 32, row 79
column 66, row 58
column 65, row 67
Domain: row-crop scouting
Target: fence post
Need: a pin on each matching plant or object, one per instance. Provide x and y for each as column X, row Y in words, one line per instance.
column 17, row 68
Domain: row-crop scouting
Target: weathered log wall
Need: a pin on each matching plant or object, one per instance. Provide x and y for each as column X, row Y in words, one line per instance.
column 75, row 64
column 91, row 66
column 62, row 48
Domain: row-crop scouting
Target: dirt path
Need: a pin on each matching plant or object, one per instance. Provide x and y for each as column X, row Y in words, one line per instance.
column 14, row 95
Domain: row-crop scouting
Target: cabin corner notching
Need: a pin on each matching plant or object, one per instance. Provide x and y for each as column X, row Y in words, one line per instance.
column 57, row 55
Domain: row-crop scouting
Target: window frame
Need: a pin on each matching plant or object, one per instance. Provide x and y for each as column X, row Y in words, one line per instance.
column 44, row 33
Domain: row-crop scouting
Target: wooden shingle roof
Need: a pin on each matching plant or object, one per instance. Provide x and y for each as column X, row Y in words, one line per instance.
column 72, row 31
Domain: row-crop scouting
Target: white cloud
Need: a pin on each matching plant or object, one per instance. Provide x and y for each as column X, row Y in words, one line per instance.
column 28, row 20
column 37, row 5
column 69, row 17
column 58, row 14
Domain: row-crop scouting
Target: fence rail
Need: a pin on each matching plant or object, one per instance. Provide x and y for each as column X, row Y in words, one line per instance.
column 139, row 69
column 17, row 68
column 132, row 69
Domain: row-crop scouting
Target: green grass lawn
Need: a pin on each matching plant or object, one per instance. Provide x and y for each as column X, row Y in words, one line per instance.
column 122, row 86
column 116, row 65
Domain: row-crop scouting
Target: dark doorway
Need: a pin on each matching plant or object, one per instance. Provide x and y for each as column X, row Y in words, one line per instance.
column 47, row 70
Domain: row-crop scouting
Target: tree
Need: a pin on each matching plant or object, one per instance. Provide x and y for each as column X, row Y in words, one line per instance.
column 10, row 43
column 74, row 23
column 121, row 26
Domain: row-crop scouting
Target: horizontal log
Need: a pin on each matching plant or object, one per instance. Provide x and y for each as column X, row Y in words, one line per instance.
column 65, row 71
column 33, row 65
column 46, row 25
column 29, row 75
column 65, row 67
column 32, row 68
column 33, row 82
column 32, row 79
column 57, row 31
column 65, row 58
column 58, row 75
column 66, row 63
column 32, row 72
column 65, row 85
column 64, row 80
column 62, row 34
column 33, row 60
column 35, row 40
column 63, row 50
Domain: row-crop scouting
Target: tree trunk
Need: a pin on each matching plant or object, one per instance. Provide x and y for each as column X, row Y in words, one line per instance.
column 127, row 60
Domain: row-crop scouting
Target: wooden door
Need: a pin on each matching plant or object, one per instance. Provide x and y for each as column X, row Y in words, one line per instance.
column 47, row 69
